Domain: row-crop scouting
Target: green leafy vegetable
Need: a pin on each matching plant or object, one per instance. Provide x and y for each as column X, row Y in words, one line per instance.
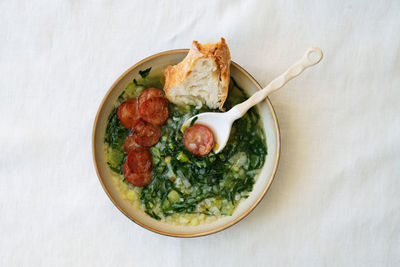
column 135, row 88
column 224, row 178
column 193, row 121
column 183, row 157
column 144, row 73
column 183, row 182
column 114, row 139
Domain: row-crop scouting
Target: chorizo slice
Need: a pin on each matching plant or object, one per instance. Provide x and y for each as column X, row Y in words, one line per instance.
column 128, row 113
column 136, row 179
column 139, row 160
column 198, row 139
column 154, row 110
column 130, row 143
column 146, row 134
column 150, row 93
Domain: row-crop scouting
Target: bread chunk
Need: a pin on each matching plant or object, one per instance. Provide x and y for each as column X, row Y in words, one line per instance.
column 201, row 78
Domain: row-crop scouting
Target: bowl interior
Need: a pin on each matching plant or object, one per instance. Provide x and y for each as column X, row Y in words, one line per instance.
column 158, row 63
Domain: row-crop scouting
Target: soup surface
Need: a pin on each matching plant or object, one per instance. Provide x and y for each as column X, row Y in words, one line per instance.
column 185, row 188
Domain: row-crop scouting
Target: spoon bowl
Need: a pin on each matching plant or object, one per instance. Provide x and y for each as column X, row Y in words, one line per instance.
column 219, row 123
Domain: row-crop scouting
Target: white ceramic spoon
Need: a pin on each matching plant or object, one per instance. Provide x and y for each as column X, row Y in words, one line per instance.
column 221, row 123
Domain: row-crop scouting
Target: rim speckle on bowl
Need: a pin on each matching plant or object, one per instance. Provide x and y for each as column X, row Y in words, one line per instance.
column 160, row 227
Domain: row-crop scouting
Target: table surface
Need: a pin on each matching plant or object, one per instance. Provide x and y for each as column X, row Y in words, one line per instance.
column 335, row 200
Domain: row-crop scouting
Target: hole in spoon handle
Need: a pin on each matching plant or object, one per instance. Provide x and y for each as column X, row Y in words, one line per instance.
column 313, row 56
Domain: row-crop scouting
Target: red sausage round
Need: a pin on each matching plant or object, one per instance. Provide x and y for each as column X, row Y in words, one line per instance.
column 139, row 160
column 130, row 143
column 198, row 139
column 128, row 113
column 154, row 110
column 150, row 93
column 146, row 134
column 136, row 179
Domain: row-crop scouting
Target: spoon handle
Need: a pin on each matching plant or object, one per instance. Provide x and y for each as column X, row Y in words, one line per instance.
column 310, row 58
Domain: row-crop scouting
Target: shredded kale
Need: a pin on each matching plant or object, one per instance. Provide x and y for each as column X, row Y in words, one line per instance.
column 214, row 176
column 193, row 121
column 153, row 215
column 181, row 181
column 144, row 73
column 114, row 138
column 135, row 88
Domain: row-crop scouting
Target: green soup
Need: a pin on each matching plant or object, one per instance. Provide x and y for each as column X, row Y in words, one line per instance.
column 183, row 183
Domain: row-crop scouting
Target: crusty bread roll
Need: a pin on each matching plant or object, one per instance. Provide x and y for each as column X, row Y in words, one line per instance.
column 201, row 78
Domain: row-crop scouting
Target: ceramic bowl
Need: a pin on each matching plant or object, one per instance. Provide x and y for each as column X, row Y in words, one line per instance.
column 158, row 62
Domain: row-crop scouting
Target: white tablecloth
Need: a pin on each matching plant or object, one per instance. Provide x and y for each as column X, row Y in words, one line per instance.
column 335, row 200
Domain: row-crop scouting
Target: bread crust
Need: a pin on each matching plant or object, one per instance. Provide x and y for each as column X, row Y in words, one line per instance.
column 219, row 52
